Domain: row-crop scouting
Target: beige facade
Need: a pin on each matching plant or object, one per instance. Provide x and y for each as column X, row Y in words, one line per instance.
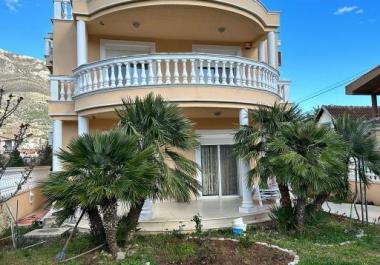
column 215, row 59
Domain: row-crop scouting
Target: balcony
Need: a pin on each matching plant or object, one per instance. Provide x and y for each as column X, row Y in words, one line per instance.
column 168, row 70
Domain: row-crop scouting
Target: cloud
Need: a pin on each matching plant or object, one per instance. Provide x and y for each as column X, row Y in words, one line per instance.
column 359, row 11
column 12, row 5
column 348, row 9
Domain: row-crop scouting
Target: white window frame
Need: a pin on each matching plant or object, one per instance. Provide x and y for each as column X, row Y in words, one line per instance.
column 109, row 44
column 216, row 138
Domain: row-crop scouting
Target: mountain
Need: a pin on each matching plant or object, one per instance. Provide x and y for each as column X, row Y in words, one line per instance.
column 27, row 77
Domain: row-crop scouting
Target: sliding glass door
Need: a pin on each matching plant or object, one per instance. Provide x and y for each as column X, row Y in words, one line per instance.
column 219, row 170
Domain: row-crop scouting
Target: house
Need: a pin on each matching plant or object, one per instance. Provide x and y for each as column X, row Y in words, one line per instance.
column 7, row 143
column 217, row 59
column 328, row 113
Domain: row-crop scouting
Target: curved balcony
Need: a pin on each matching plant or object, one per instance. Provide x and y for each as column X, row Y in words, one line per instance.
column 174, row 69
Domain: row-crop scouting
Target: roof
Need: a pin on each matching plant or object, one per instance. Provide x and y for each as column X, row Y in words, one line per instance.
column 358, row 112
column 366, row 84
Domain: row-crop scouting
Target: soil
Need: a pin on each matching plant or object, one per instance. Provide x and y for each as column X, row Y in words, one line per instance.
column 233, row 253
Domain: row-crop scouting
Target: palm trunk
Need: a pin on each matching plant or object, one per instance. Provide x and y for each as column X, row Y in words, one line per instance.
column 96, row 224
column 361, row 191
column 133, row 218
column 319, row 201
column 356, row 190
column 301, row 205
column 110, row 226
column 285, row 196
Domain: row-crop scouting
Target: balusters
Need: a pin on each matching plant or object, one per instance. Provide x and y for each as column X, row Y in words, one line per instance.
column 208, row 73
column 62, row 94
column 150, row 73
column 232, row 74
column 224, row 73
column 143, row 74
column 168, row 77
column 216, row 77
column 184, row 72
column 127, row 74
column 193, row 75
column 254, row 77
column 200, row 69
column 68, row 91
column 159, row 73
column 89, row 81
column 243, row 75
column 105, row 77
column 176, row 73
column 135, row 74
column 201, row 74
column 249, row 74
column 119, row 75
column 238, row 74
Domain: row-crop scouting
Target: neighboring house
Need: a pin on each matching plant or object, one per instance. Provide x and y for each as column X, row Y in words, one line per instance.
column 367, row 84
column 6, row 144
column 216, row 59
column 328, row 113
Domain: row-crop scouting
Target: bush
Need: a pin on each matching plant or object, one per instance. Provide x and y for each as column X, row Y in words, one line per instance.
column 284, row 218
column 45, row 156
column 16, row 159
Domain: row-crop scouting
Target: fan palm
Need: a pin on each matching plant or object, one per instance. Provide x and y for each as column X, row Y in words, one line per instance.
column 306, row 154
column 99, row 170
column 162, row 124
column 251, row 142
column 362, row 148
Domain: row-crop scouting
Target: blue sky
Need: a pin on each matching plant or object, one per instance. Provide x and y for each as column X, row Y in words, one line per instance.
column 323, row 41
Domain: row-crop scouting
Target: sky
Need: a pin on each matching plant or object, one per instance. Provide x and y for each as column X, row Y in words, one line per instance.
column 324, row 43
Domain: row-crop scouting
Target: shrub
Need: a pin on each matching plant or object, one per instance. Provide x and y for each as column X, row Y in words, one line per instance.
column 284, row 218
column 197, row 219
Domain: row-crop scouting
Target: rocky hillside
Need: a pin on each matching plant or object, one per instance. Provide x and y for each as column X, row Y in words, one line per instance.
column 27, row 77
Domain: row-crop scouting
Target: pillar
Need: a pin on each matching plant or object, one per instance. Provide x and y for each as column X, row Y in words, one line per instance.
column 272, row 49
column 262, row 51
column 247, row 205
column 57, row 144
column 81, row 42
column 83, row 125
column 375, row 111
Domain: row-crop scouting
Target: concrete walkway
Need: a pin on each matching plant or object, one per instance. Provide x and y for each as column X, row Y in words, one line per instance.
column 345, row 209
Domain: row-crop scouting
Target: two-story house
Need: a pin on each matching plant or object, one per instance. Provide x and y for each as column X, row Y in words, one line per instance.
column 216, row 59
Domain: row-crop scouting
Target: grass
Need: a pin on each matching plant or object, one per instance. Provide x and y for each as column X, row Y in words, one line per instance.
column 310, row 246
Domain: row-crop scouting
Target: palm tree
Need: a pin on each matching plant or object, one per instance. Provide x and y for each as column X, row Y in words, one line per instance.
column 362, row 151
column 99, row 170
column 162, row 124
column 251, row 142
column 306, row 154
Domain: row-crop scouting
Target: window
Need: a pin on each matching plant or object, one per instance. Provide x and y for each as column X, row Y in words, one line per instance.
column 219, row 170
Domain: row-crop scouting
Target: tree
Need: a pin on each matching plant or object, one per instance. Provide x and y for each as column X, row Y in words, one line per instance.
column 251, row 142
column 306, row 154
column 362, row 152
column 162, row 124
column 8, row 106
column 99, row 170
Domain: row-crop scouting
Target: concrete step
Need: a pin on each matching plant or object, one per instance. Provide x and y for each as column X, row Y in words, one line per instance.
column 157, row 226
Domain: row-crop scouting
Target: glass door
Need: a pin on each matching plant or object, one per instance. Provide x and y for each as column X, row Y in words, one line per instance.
column 219, row 171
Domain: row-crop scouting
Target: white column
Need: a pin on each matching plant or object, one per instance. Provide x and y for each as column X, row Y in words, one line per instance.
column 83, row 125
column 247, row 203
column 57, row 144
column 272, row 49
column 147, row 211
column 81, row 42
column 262, row 51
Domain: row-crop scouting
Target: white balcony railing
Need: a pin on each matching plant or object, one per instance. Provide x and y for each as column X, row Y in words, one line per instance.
column 175, row 69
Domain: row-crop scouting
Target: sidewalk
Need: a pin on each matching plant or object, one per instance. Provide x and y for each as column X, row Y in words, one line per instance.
column 345, row 208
